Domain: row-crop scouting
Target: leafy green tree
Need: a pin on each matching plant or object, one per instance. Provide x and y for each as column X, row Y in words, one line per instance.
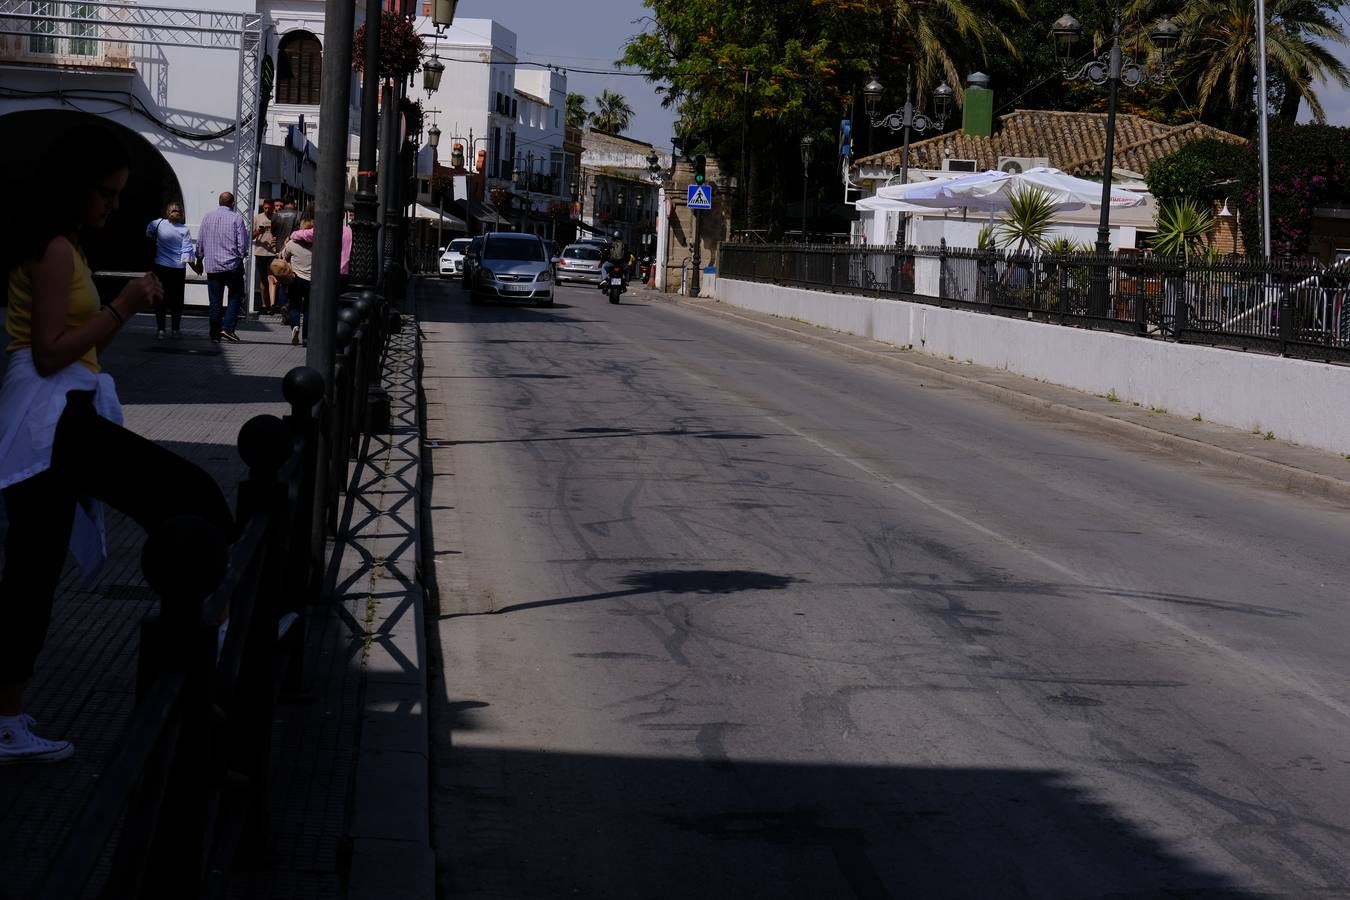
column 577, row 114
column 1031, row 78
column 750, row 79
column 1202, row 170
column 612, row 113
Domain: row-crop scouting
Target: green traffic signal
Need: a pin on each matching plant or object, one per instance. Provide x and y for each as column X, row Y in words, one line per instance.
column 700, row 167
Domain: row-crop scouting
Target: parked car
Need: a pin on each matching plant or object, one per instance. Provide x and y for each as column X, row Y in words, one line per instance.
column 581, row 262
column 513, row 266
column 471, row 251
column 452, row 258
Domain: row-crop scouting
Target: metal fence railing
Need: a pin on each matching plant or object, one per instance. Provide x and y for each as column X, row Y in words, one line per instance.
column 187, row 794
column 1296, row 308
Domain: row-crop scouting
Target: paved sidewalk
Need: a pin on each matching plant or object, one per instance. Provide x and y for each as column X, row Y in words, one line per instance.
column 1276, row 463
column 193, row 396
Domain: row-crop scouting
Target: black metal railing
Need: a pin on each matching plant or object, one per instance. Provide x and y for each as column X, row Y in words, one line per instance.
column 1293, row 307
column 186, row 795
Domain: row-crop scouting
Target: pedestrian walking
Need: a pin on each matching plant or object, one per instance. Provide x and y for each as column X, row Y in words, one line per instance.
column 174, row 250
column 264, row 251
column 284, row 219
column 63, row 450
column 300, row 254
column 284, row 222
column 345, row 256
column 223, row 249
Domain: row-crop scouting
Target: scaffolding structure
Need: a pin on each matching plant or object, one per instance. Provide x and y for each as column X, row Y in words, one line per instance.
column 118, row 25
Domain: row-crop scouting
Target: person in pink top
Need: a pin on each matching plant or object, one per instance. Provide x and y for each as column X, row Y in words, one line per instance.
column 307, row 236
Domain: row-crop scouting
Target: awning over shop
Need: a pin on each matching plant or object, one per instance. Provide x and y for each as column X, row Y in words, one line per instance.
column 426, row 212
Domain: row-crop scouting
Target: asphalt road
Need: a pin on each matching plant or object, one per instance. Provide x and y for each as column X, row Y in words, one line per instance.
column 725, row 615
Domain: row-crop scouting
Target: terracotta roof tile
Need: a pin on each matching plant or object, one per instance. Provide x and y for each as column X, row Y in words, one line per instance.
column 1072, row 141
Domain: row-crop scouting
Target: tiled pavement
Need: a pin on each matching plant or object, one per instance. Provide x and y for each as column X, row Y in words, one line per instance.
column 194, row 396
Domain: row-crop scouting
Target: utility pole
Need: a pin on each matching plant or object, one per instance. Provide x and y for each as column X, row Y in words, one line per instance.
column 331, row 189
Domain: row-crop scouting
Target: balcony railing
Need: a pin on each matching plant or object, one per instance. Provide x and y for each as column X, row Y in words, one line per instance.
column 51, row 33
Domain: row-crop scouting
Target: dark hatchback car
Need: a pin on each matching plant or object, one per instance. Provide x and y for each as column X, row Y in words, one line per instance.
column 515, row 267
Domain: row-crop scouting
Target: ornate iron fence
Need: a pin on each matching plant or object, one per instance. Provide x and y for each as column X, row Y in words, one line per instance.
column 187, row 793
column 1296, row 308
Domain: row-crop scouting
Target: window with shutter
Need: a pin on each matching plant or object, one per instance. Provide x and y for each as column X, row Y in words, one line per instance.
column 299, row 68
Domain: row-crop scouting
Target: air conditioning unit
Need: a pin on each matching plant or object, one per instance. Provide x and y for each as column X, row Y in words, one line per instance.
column 960, row 165
column 1016, row 164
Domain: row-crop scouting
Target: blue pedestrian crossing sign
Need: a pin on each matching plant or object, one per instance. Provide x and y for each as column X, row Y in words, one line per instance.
column 700, row 196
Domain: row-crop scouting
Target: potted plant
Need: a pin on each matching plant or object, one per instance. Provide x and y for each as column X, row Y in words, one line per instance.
column 401, row 47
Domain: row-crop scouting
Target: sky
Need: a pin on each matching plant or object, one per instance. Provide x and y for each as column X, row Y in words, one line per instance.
column 588, row 35
column 591, row 35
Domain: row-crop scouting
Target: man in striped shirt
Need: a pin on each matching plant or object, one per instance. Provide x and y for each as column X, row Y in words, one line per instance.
column 223, row 246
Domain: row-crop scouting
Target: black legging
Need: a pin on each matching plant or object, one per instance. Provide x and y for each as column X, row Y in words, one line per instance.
column 172, row 279
column 91, row 457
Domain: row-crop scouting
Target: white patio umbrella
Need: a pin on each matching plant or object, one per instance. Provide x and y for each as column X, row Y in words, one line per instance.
column 1064, row 190
column 886, row 204
column 934, row 194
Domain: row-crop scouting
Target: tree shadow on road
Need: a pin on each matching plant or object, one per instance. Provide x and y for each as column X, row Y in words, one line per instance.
column 672, row 581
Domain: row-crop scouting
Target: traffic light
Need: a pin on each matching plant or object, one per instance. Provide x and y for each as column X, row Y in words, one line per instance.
column 700, row 169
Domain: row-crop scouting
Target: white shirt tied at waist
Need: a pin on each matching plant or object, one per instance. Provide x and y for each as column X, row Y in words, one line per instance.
column 30, row 407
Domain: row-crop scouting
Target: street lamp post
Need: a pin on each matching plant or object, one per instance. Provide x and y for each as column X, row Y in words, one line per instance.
column 808, row 152
column 1111, row 70
column 907, row 118
column 434, row 141
column 364, row 264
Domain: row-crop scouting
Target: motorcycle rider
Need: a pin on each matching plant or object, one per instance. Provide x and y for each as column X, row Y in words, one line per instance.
column 617, row 256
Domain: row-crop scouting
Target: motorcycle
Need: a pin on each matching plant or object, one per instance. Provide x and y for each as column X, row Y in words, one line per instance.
column 614, row 281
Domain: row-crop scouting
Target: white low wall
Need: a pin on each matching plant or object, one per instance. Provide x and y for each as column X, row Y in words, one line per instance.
column 1300, row 401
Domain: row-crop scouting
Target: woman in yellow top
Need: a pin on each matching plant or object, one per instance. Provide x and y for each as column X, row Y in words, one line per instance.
column 63, row 449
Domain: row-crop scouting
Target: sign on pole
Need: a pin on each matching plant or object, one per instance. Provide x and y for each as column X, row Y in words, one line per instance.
column 700, row 196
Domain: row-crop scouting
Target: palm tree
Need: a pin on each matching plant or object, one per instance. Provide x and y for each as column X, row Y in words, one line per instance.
column 1181, row 228
column 577, row 114
column 1031, row 213
column 931, row 31
column 612, row 113
column 1218, row 51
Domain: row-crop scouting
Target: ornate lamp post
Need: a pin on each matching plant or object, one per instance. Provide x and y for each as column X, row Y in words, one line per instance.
column 364, row 265
column 808, row 147
column 907, row 118
column 1109, row 69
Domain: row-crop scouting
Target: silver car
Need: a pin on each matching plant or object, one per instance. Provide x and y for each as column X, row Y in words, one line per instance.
column 581, row 262
column 513, row 267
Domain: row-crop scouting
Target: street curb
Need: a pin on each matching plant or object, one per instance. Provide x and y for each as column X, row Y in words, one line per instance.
column 1274, row 474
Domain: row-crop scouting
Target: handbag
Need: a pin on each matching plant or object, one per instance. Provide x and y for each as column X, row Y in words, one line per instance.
column 281, row 270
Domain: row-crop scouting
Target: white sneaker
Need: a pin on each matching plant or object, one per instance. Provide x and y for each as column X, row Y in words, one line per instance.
column 295, row 335
column 18, row 744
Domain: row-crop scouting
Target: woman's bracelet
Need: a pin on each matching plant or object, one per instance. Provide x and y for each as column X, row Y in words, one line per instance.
column 116, row 315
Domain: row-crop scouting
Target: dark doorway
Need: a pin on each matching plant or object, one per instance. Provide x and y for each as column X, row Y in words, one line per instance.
column 122, row 245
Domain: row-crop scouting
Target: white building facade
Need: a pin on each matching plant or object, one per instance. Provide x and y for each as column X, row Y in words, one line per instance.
column 184, row 86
